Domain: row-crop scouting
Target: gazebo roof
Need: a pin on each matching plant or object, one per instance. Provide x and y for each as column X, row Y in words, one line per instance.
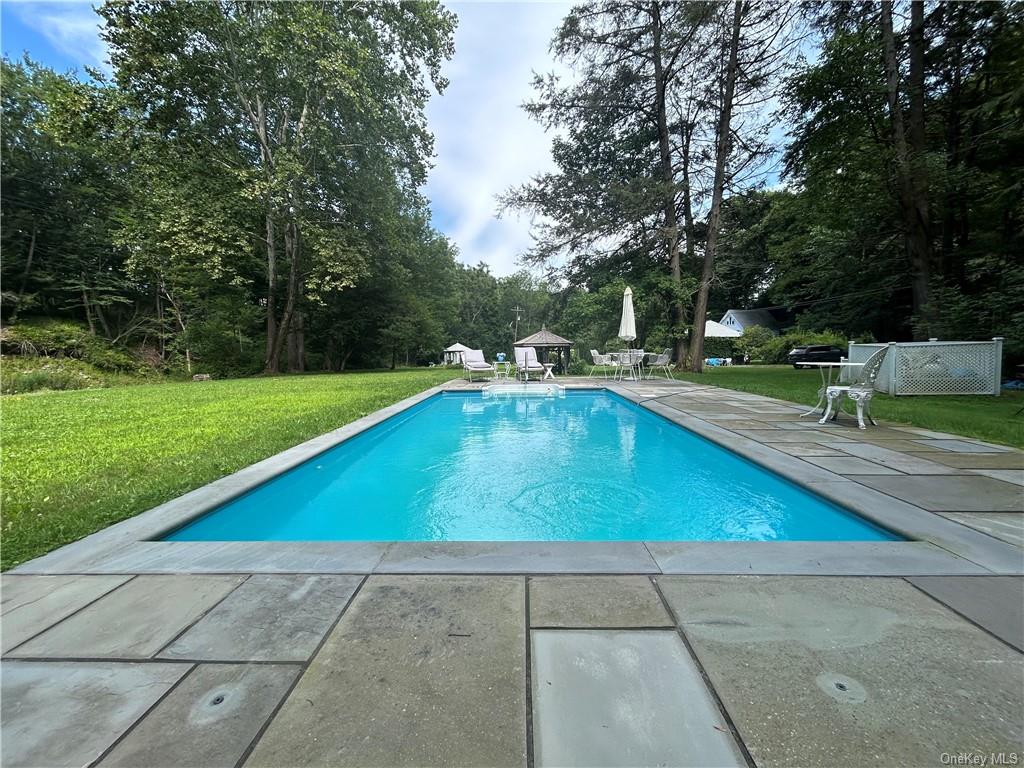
column 543, row 338
column 456, row 347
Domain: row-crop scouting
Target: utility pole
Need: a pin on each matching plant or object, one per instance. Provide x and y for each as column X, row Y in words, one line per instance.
column 515, row 334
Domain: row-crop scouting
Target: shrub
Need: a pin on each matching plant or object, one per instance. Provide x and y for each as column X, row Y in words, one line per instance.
column 754, row 342
column 31, row 374
column 775, row 351
column 60, row 338
column 716, row 346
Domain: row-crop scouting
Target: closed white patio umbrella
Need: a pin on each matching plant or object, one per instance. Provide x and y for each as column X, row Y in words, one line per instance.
column 627, row 326
column 627, row 331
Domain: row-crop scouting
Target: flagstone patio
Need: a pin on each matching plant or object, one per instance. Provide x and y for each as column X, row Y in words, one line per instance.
column 120, row 650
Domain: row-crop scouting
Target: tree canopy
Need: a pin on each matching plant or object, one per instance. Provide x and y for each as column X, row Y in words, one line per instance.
column 243, row 192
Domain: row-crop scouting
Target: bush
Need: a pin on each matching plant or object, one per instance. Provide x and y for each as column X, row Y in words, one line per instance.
column 60, row 338
column 19, row 375
column 754, row 341
column 717, row 346
column 775, row 351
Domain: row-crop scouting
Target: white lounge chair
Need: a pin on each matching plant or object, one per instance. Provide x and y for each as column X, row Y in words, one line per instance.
column 860, row 391
column 473, row 362
column 526, row 361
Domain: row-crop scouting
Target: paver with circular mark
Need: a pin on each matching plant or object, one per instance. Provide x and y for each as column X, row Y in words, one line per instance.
column 917, row 680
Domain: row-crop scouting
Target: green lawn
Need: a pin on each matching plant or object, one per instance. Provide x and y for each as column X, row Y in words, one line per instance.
column 75, row 462
column 984, row 417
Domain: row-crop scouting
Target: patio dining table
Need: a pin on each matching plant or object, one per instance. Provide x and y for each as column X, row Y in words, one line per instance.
column 633, row 359
column 826, row 371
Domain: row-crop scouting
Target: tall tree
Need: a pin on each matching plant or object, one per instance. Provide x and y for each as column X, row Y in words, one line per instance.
column 723, row 139
column 304, row 92
column 908, row 141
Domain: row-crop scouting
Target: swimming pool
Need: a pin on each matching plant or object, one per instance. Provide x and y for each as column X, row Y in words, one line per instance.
column 589, row 466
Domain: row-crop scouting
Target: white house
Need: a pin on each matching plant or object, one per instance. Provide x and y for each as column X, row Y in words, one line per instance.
column 739, row 319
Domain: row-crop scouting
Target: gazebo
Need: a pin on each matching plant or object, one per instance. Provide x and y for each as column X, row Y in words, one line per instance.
column 544, row 341
column 453, row 354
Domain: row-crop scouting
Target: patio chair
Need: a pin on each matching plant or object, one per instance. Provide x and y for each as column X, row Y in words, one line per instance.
column 662, row 361
column 631, row 361
column 600, row 361
column 860, row 391
column 473, row 362
column 526, row 361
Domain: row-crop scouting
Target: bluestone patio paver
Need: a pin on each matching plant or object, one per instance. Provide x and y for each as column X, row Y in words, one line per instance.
column 209, row 720
column 268, row 618
column 807, row 449
column 623, row 698
column 950, row 493
column 1015, row 476
column 993, row 602
column 421, row 670
column 817, row 558
column 1007, row 526
column 849, row 465
column 1012, row 460
column 912, row 465
column 137, row 619
column 30, row 604
column 595, row 601
column 787, row 435
column 517, row 557
column 903, row 446
column 68, row 713
column 741, row 424
column 829, row 671
column 966, row 446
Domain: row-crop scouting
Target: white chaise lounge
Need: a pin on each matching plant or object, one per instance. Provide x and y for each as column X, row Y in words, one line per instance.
column 526, row 361
column 473, row 362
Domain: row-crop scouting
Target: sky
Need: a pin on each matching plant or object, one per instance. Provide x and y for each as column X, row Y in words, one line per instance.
column 484, row 141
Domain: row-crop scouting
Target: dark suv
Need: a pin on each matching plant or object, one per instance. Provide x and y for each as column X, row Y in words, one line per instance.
column 815, row 354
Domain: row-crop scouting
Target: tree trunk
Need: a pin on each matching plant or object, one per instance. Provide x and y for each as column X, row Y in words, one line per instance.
column 270, row 365
column 913, row 193
column 667, row 174
column 88, row 309
column 297, row 344
column 329, row 355
column 161, row 335
column 714, row 215
column 344, row 359
column 682, row 346
column 176, row 310
column 292, row 251
column 25, row 274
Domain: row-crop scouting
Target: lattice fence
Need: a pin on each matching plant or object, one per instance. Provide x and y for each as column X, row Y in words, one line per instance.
column 936, row 367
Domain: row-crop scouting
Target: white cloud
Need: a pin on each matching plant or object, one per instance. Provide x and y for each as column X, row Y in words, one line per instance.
column 485, row 142
column 73, row 28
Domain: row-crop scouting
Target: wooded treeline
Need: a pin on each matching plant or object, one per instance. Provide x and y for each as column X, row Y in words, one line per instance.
column 858, row 164
column 243, row 192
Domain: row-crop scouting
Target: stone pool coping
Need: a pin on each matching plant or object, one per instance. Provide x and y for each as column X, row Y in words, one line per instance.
column 938, row 546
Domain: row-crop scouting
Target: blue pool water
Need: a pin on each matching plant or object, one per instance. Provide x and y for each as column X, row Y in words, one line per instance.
column 586, row 467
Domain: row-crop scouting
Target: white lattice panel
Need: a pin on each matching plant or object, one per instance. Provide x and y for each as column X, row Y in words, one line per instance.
column 937, row 367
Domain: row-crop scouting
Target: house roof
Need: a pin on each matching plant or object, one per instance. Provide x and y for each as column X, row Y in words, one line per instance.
column 713, row 330
column 543, row 338
column 456, row 347
column 749, row 317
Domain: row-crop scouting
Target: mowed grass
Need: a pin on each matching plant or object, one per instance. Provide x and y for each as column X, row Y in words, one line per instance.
column 985, row 417
column 75, row 462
